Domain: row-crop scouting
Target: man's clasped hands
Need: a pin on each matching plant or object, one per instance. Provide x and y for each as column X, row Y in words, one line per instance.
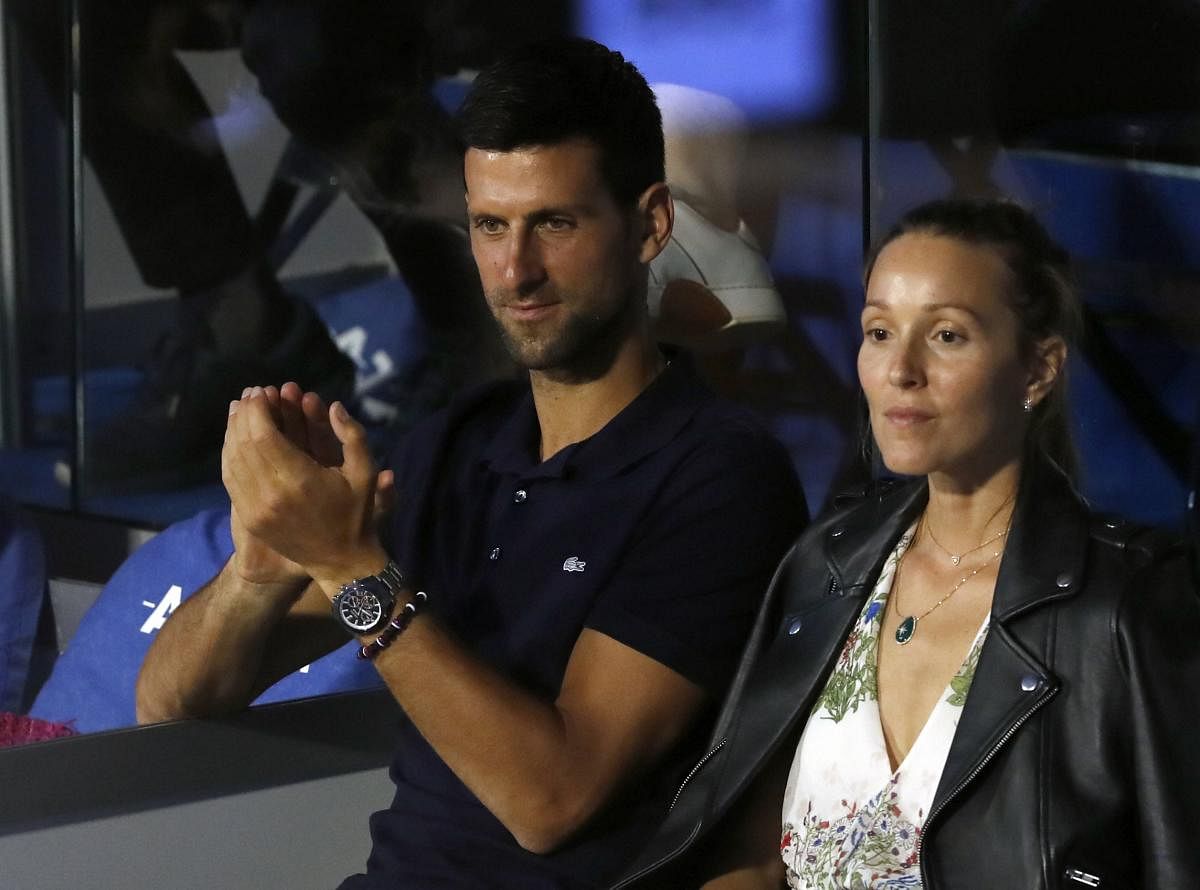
column 306, row 495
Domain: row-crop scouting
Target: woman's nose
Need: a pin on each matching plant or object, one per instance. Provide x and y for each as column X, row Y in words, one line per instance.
column 906, row 370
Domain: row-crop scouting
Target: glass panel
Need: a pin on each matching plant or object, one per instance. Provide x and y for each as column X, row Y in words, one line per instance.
column 269, row 191
column 1089, row 114
column 211, row 232
column 38, row 351
column 789, row 70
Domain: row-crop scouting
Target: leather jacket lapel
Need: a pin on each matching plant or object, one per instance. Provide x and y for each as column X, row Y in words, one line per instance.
column 857, row 545
column 1043, row 562
column 1046, row 549
column 816, row 608
column 1009, row 686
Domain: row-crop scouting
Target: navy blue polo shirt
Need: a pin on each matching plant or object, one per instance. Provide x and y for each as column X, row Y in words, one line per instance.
column 661, row 531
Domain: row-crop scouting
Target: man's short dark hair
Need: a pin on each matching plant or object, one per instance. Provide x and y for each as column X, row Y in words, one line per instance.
column 549, row 92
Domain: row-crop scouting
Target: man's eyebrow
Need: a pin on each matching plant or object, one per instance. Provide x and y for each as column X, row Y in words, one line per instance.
column 559, row 210
column 534, row 216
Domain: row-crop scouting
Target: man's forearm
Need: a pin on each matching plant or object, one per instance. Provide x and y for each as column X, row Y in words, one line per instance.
column 206, row 659
column 542, row 768
column 525, row 760
column 505, row 745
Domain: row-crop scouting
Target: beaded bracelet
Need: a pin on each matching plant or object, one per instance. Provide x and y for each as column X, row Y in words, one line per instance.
column 395, row 627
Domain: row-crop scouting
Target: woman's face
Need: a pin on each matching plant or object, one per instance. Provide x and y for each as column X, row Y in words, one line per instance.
column 940, row 361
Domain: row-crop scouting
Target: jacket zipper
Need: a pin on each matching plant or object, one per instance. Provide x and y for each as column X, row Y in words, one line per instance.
column 695, row 769
column 634, row 878
column 991, row 754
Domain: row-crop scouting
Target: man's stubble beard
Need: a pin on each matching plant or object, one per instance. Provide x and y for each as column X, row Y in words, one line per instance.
column 582, row 347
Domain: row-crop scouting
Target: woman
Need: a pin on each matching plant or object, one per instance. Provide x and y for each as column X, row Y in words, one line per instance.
column 963, row 680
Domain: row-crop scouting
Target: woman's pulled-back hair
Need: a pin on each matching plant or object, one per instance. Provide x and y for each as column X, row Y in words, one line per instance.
column 1043, row 295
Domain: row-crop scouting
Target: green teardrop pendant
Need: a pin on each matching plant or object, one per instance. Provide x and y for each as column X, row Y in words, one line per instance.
column 907, row 628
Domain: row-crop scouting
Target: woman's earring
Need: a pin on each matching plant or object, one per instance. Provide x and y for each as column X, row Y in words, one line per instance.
column 1028, row 405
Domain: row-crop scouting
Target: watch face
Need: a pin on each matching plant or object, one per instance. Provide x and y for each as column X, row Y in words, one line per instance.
column 362, row 609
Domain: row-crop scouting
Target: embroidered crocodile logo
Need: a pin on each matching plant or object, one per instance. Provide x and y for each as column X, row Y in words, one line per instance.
column 574, row 564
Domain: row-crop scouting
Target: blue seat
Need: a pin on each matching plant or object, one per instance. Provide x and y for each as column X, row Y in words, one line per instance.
column 92, row 684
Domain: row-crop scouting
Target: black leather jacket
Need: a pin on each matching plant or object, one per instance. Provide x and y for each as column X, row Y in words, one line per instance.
column 1076, row 762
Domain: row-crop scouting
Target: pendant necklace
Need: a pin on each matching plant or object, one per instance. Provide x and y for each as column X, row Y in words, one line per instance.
column 907, row 629
column 956, row 558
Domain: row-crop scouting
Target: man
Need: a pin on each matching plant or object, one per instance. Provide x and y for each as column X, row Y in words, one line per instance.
column 583, row 552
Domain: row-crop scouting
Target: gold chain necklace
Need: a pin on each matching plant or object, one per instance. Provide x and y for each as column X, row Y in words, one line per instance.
column 907, row 628
column 956, row 558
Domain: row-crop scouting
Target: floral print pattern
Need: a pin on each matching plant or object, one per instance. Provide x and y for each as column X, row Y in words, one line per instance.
column 961, row 682
column 853, row 679
column 882, row 842
column 849, row 820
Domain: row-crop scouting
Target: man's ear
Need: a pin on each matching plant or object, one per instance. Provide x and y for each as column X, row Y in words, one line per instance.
column 1048, row 360
column 656, row 218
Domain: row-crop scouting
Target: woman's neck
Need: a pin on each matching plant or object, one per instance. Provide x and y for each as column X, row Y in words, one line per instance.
column 960, row 515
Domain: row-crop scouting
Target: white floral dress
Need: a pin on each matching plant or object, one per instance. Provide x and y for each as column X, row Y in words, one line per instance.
column 849, row 821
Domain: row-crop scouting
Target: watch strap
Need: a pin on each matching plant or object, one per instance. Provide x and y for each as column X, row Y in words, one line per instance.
column 390, row 578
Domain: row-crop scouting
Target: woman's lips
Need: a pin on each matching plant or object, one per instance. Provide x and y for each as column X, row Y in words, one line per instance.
column 907, row 416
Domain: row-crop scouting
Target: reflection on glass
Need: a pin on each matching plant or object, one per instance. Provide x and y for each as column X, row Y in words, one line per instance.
column 1090, row 115
column 202, row 173
column 39, row 336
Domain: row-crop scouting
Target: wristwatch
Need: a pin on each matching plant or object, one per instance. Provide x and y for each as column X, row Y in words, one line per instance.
column 364, row 605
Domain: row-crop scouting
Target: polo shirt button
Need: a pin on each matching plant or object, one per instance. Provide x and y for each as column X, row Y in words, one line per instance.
column 520, row 496
column 495, row 554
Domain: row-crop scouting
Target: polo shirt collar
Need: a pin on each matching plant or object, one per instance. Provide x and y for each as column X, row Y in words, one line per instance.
column 643, row 427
